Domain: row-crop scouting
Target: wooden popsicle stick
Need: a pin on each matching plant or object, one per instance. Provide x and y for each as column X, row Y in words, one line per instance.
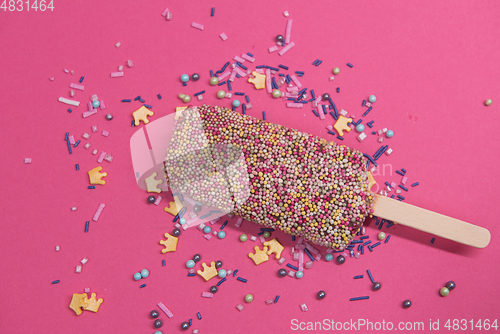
column 431, row 222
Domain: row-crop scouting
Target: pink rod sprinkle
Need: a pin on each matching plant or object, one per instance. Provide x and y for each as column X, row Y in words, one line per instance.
column 72, row 140
column 89, row 105
column 102, row 105
column 164, row 12
column 269, row 87
column 101, row 157
column 197, row 25
column 68, row 101
column 321, row 114
column 116, row 74
column 311, row 249
column 301, row 259
column 213, row 221
column 207, row 295
column 165, row 310
column 292, row 89
column 288, row 31
column 296, row 81
column 233, row 76
column 207, row 236
column 286, row 48
column 27, row 160
column 239, row 222
column 98, row 212
column 295, row 105
column 240, row 72
column 241, row 60
column 223, row 36
column 247, row 57
column 76, row 86
column 224, row 75
column 273, row 48
column 89, row 113
column 158, row 200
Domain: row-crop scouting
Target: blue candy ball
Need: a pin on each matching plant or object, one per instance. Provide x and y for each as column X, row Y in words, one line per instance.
column 184, row 78
column 137, row 276
column 96, row 104
column 221, row 234
column 328, row 257
column 144, row 273
column 236, row 103
column 207, row 229
column 372, row 98
column 190, row 264
column 182, row 221
column 158, row 332
column 222, row 273
column 360, row 127
column 299, row 274
column 389, row 133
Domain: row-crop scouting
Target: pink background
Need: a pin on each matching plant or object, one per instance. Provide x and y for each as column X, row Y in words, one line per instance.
column 430, row 64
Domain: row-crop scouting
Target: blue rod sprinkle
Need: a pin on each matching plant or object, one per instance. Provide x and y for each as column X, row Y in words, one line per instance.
column 364, row 103
column 332, row 133
column 244, row 109
column 247, row 98
column 276, row 299
column 77, row 166
column 375, row 245
column 350, row 65
column 211, row 73
column 432, row 240
column 137, row 97
column 241, row 279
column 148, row 106
column 239, row 93
column 91, row 187
column 248, row 53
column 198, row 315
column 400, row 173
column 402, row 187
column 360, row 298
column 362, row 250
column 69, row 110
column 212, row 12
column 283, row 67
column 293, row 238
column 191, row 274
column 199, row 93
column 367, row 111
column 370, row 275
column 241, row 65
column 66, row 137
column 367, row 242
column 289, row 265
column 223, row 225
column 87, row 226
column 364, row 237
column 163, row 263
column 190, row 322
column 315, row 113
column 55, row 282
column 77, row 143
column 126, row 100
column 387, row 239
column 142, row 286
column 308, row 254
column 234, row 272
column 69, row 147
column 81, row 79
column 221, row 83
column 358, row 276
column 159, row 96
column 415, row 184
column 401, row 197
column 403, row 170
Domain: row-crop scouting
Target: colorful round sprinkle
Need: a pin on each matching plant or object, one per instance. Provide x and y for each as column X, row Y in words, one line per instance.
column 267, row 234
column 243, row 238
column 214, row 81
column 381, row 236
column 389, row 133
column 236, row 103
column 372, row 98
column 207, row 229
column 360, row 127
column 249, row 298
column 184, row 78
column 450, row 285
column 137, row 276
column 186, row 99
column 336, row 70
column 144, row 273
column 444, row 291
column 221, row 234
column 328, row 257
column 221, row 94
column 276, row 93
column 488, row 102
column 222, row 273
column 190, row 264
column 299, row 274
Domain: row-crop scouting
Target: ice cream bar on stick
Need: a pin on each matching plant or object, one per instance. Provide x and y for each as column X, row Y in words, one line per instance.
column 288, row 180
column 431, row 222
